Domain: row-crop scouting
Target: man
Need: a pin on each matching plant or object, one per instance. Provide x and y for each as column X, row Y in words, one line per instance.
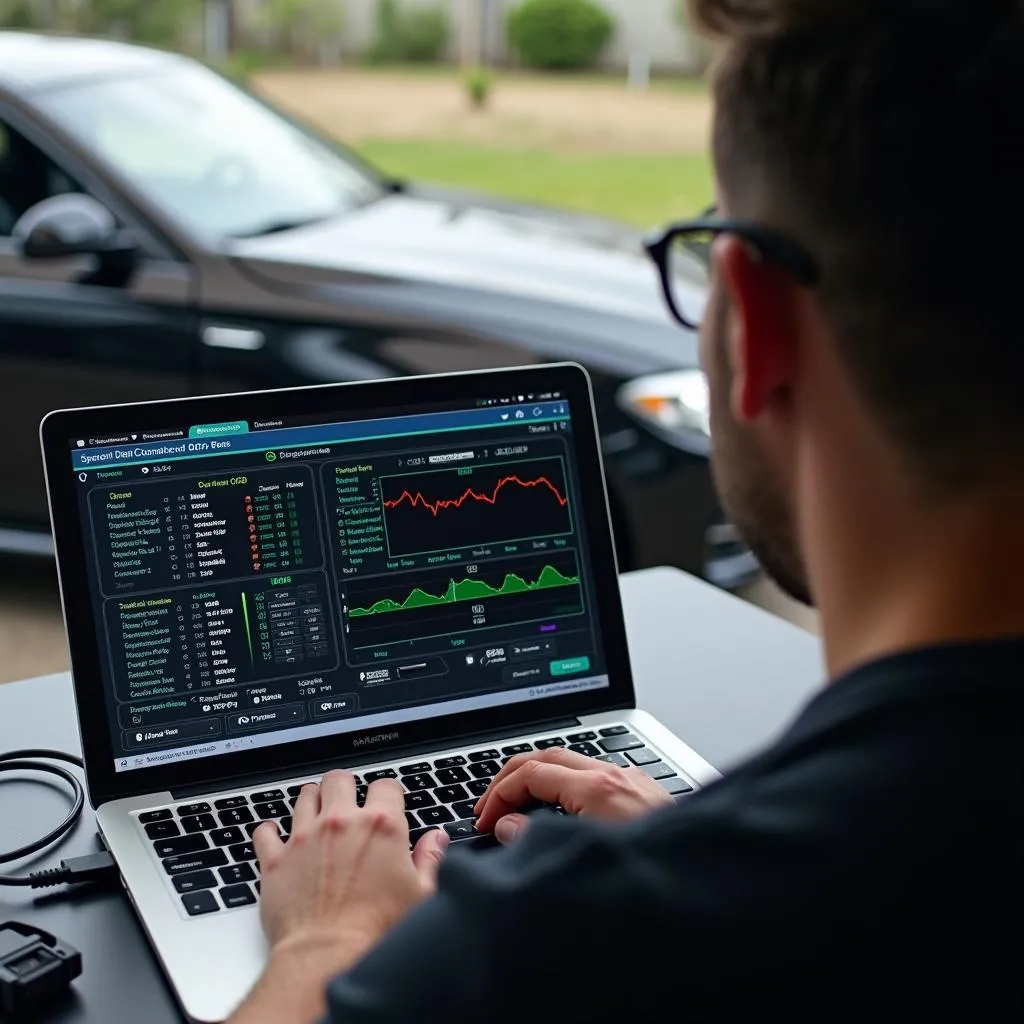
column 865, row 361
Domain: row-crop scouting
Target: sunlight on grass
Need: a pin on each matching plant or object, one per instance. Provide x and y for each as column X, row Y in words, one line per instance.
column 645, row 189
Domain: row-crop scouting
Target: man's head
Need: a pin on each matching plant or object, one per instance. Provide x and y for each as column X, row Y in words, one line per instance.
column 882, row 136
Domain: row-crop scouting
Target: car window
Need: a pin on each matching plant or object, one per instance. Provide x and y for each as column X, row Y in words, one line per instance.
column 210, row 154
column 27, row 176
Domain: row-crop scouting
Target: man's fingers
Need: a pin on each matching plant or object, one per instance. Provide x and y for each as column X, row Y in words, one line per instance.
column 510, row 828
column 386, row 795
column 428, row 856
column 337, row 790
column 266, row 841
column 536, row 780
column 555, row 755
column 307, row 806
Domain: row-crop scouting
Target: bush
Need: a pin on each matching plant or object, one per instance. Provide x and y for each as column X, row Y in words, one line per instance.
column 414, row 34
column 559, row 34
column 478, row 86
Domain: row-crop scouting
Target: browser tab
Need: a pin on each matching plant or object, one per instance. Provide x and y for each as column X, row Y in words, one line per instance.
column 219, row 429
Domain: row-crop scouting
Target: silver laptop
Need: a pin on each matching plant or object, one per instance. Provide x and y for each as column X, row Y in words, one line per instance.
column 411, row 579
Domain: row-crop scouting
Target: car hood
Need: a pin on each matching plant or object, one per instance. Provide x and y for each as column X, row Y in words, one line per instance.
column 485, row 246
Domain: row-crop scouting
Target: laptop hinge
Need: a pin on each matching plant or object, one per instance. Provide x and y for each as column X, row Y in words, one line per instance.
column 395, row 754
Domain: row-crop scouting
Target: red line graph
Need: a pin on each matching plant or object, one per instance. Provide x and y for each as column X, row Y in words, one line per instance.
column 434, row 507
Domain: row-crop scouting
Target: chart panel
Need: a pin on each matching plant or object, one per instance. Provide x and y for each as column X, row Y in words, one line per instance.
column 459, row 599
column 474, row 506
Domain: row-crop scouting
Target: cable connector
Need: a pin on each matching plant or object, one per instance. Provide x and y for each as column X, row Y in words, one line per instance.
column 92, row 868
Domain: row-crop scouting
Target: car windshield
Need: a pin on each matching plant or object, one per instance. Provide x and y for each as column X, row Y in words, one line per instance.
column 209, row 154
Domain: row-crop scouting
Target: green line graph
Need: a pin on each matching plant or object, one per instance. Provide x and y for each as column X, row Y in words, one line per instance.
column 469, row 590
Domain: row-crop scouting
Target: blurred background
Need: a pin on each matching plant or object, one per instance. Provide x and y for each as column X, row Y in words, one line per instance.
column 551, row 108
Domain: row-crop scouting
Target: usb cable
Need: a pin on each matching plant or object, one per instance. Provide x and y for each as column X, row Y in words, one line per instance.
column 76, row 869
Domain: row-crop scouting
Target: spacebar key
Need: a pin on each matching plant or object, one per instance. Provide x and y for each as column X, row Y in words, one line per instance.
column 195, row 861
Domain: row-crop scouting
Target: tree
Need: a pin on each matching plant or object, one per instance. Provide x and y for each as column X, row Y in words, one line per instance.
column 306, row 28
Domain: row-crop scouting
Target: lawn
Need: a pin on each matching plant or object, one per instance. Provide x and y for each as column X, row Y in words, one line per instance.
column 646, row 189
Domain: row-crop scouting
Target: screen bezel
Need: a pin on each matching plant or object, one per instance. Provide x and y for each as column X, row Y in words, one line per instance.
column 59, row 428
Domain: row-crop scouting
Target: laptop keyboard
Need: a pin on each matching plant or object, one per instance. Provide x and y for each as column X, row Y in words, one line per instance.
column 205, row 846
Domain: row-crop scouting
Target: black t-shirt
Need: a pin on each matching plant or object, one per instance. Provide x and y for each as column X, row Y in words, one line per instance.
column 867, row 866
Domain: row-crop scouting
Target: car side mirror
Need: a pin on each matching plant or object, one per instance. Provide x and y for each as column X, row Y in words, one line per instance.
column 71, row 225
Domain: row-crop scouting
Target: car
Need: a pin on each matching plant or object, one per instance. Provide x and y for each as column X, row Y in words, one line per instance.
column 164, row 232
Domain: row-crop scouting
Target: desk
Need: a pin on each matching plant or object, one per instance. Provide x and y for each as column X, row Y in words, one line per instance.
column 722, row 674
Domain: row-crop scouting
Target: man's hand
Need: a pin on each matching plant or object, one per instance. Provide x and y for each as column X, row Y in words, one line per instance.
column 580, row 784
column 343, row 878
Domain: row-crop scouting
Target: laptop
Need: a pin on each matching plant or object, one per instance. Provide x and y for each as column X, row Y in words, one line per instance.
column 411, row 579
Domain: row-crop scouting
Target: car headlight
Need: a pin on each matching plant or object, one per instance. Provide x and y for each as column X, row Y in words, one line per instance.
column 674, row 406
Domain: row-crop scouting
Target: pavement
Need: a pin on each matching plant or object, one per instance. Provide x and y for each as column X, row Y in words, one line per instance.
column 32, row 629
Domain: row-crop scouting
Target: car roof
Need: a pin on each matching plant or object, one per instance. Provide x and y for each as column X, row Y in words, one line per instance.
column 31, row 61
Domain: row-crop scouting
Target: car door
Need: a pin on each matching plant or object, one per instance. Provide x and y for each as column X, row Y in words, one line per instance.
column 66, row 342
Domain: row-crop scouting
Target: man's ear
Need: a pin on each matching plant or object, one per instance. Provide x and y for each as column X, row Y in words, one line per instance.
column 761, row 341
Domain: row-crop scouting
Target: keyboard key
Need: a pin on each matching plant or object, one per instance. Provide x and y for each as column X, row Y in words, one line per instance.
column 676, row 786
column 384, row 773
column 485, row 755
column 251, row 828
column 234, row 874
column 449, row 762
column 163, row 830
column 466, row 809
column 202, row 902
column 461, row 829
column 517, row 748
column 436, row 816
column 414, row 801
column 286, row 826
column 292, row 801
column 451, row 776
column 237, row 896
column 643, row 756
column 415, row 769
column 227, row 836
column 274, row 809
column 586, row 748
column 478, row 786
column 188, row 810
column 554, row 741
column 418, row 833
column 614, row 759
column 242, row 852
column 361, row 794
column 581, row 737
column 485, row 769
column 451, row 794
column 294, row 790
column 266, row 796
column 225, row 803
column 411, row 820
column 150, row 816
column 235, row 816
column 616, row 744
column 199, row 823
column 613, row 730
column 659, row 770
column 183, row 845
column 416, row 782
column 194, row 861
column 194, row 881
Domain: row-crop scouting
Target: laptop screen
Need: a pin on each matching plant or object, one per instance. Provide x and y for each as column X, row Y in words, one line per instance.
column 255, row 583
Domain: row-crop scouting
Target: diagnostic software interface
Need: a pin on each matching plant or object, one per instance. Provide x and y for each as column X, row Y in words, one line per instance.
column 257, row 583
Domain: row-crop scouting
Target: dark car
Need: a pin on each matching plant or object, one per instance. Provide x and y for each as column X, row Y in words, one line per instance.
column 163, row 233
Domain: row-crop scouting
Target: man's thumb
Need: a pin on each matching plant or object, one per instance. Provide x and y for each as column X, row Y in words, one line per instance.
column 429, row 854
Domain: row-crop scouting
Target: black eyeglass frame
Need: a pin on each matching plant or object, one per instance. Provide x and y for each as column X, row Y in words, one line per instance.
column 770, row 244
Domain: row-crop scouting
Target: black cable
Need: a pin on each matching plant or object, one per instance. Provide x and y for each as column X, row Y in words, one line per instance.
column 77, row 869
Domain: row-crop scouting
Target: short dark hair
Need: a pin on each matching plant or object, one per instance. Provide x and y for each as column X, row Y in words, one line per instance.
column 886, row 136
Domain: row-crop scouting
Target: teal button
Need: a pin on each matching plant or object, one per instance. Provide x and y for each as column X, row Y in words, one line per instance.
column 219, row 429
column 570, row 666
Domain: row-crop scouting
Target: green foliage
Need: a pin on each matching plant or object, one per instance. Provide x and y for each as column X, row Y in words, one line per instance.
column 141, row 21
column 19, row 14
column 559, row 35
column 301, row 26
column 478, row 82
column 413, row 34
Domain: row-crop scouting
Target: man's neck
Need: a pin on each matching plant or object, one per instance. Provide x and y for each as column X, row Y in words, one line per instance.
column 896, row 579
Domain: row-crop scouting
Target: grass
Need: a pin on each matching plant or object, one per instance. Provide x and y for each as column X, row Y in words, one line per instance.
column 645, row 189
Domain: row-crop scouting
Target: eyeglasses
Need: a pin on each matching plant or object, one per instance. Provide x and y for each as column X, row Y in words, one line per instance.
column 682, row 254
